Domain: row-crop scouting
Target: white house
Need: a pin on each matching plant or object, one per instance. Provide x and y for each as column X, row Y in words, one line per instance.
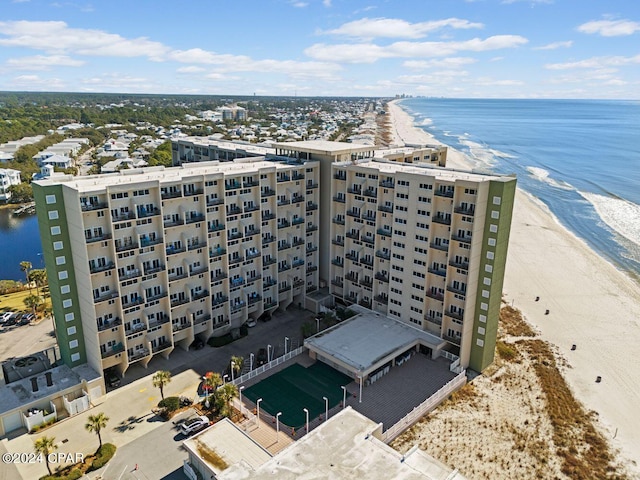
column 59, row 161
column 8, row 177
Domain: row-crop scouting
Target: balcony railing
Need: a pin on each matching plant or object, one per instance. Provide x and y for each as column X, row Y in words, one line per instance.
column 366, row 282
column 311, row 227
column 251, row 183
column 382, row 254
column 369, row 217
column 237, row 306
column 171, row 194
column 444, row 193
column 311, row 268
column 215, row 227
column 297, row 220
column 234, row 235
column 156, row 296
column 454, row 340
column 269, row 261
column 353, row 235
column 283, row 201
column 340, row 176
column 126, row 246
column 234, row 260
column 268, row 240
column 269, row 304
column 339, row 199
column 456, row 315
column 161, row 347
column 352, row 277
column 252, row 254
column 283, row 178
column 337, row 263
column 147, row 242
column 382, row 277
column 269, row 282
column 298, row 176
column 198, row 244
column 251, row 208
column 353, row 213
column 148, row 270
column 440, row 246
column 173, row 222
column 338, row 220
column 106, row 325
column 219, row 300
column 311, row 185
column 129, row 274
column 470, row 211
column 384, row 232
column 284, row 246
column 365, row 303
column 267, row 193
column 201, row 319
column 213, row 201
column 284, row 268
column 367, row 261
column 254, row 278
column 88, row 207
column 232, row 185
column 297, row 263
column 434, row 295
column 177, row 327
column 199, row 294
column 298, row 283
column 172, row 250
column 139, row 355
column 297, row 199
column 198, row 270
column 151, row 212
column 178, row 276
column 198, row 217
column 337, row 283
column 254, row 299
column 338, row 241
column 98, row 238
column 312, row 248
column 386, row 208
column 353, row 257
column 250, row 232
column 433, row 319
column 283, row 223
column 442, row 219
column 101, row 268
column 437, row 271
column 462, row 265
column 284, row 288
column 176, row 302
column 105, row 296
column 369, row 240
column 216, row 252
column 297, row 242
column 381, row 299
column 355, row 190
column 124, row 216
column 218, row 276
column 457, row 291
column 386, row 183
column 133, row 302
column 268, row 216
column 463, row 239
column 234, row 210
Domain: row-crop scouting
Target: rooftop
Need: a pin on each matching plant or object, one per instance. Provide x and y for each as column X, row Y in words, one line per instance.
column 366, row 339
column 324, row 147
column 227, row 145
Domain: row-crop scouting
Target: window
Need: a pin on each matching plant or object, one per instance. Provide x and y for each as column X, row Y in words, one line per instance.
column 50, row 199
column 75, row 357
column 58, row 246
column 481, row 330
column 492, row 242
column 490, row 255
column 65, row 289
column 493, row 228
column 67, row 303
column 496, row 200
column 484, row 306
column 63, row 275
column 69, row 317
column 71, row 331
column 73, row 344
column 485, row 293
column 482, row 318
column 61, row 260
column 488, row 268
column 486, row 281
column 495, row 214
column 480, row 342
column 55, row 230
column 53, row 215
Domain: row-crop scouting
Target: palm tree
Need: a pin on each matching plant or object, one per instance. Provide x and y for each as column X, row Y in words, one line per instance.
column 26, row 266
column 160, row 379
column 44, row 446
column 96, row 423
column 39, row 276
column 32, row 302
column 236, row 363
column 224, row 395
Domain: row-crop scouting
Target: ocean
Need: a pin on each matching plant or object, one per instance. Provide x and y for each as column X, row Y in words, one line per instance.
column 579, row 157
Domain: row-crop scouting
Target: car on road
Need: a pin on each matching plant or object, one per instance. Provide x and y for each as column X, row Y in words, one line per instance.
column 251, row 323
column 194, row 425
column 262, row 357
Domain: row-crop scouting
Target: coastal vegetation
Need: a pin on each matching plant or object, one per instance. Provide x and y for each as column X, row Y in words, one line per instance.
column 161, row 379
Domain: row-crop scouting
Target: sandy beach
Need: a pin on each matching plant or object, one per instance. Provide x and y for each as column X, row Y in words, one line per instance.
column 591, row 304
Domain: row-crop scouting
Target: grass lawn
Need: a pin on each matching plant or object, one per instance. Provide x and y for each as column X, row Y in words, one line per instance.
column 14, row 302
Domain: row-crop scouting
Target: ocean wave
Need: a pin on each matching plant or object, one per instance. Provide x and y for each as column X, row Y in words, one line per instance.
column 480, row 154
column 619, row 214
column 426, row 122
column 543, row 175
column 500, row 154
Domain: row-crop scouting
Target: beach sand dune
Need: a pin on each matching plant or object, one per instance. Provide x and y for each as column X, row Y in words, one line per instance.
column 591, row 304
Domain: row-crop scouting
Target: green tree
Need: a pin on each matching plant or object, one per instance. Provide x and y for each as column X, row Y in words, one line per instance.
column 39, row 276
column 160, row 379
column 237, row 363
column 21, row 193
column 32, row 302
column 162, row 155
column 212, row 381
column 44, row 446
column 96, row 423
column 224, row 395
column 26, row 267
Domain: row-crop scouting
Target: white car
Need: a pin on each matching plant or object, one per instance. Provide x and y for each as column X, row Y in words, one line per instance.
column 251, row 323
column 194, row 425
column 6, row 316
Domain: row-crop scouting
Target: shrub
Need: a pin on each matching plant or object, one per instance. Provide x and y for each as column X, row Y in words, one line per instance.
column 220, row 341
column 170, row 403
column 104, row 454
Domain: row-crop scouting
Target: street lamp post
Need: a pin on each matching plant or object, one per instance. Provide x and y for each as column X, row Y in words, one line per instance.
column 278, row 426
column 240, row 393
column 286, row 339
column 268, row 353
column 326, row 408
column 344, row 396
column 251, row 362
column 258, row 411
column 205, row 387
column 225, row 377
column 306, row 412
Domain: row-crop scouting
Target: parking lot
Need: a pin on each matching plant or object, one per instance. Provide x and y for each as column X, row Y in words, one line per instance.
column 21, row 340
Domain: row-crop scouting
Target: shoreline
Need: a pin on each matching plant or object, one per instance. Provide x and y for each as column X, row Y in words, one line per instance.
column 592, row 304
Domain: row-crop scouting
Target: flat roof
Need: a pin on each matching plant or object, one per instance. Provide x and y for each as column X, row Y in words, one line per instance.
column 230, row 444
column 226, row 145
column 19, row 393
column 365, row 339
column 344, row 447
column 324, row 146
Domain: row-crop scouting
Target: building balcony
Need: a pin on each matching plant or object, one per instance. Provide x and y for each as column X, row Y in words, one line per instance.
column 311, row 268
column 172, row 250
column 283, row 178
column 337, row 263
column 129, row 274
column 250, row 232
column 353, row 213
column 367, row 261
column 297, row 199
column 89, row 207
column 454, row 340
column 160, row 347
column 462, row 239
column 251, row 183
column 338, row 241
column 268, row 216
column 298, row 283
column 215, row 227
column 437, row 271
column 283, row 246
column 253, row 279
column 385, row 232
column 311, row 288
column 268, row 261
column 217, row 252
column 253, row 254
column 234, row 235
column 198, row 217
column 101, row 268
column 123, row 247
column 123, row 216
column 297, row 221
column 456, row 315
column 176, row 302
column 297, row 242
column 212, row 202
column 283, row 223
column 178, row 327
column 148, row 270
column 386, row 183
column 461, row 265
column 118, row 348
column 311, row 227
column 234, row 260
column 267, row 193
column 297, row 263
column 173, row 222
column 237, row 306
column 253, row 299
column 232, row 185
column 383, row 254
column 338, row 220
column 339, row 199
column 159, row 320
column 354, row 190
column 311, row 185
column 369, row 240
column 340, row 175
column 199, row 294
column 133, row 302
column 435, row 295
column 267, row 240
column 283, row 268
column 366, row 282
column 353, row 235
column 440, row 246
column 269, row 282
column 365, row 303
column 178, row 276
column 106, row 325
column 217, row 276
column 152, row 212
column 138, row 355
column 148, row 242
column 469, row 211
column 457, row 291
column 109, row 295
column 369, row 217
column 386, row 208
column 370, row 192
column 198, row 270
column 269, row 304
column 432, row 319
column 97, row 238
column 219, row 300
column 198, row 244
column 353, row 257
column 297, row 176
column 312, row 248
column 382, row 277
column 201, row 319
column 444, row 193
column 251, row 208
column 284, row 288
column 382, row 299
column 442, row 219
column 135, row 328
column 283, row 201
column 166, row 195
column 234, row 210
column 352, row 277
column 337, row 283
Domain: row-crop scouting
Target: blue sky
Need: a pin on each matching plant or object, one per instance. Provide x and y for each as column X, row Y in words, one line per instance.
column 450, row 48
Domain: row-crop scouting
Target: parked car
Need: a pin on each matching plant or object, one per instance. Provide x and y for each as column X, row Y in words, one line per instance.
column 197, row 344
column 262, row 357
column 251, row 323
column 265, row 317
column 112, row 378
column 6, row 316
column 13, row 319
column 194, row 425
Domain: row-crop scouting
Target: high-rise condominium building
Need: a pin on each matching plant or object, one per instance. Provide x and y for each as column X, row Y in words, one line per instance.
column 142, row 262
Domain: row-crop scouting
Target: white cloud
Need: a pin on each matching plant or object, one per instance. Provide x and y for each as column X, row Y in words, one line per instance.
column 555, row 45
column 451, row 62
column 489, row 82
column 370, row 53
column 299, row 4
column 610, row 28
column 532, row 2
column 190, row 69
column 43, row 62
column 36, row 82
column 58, row 38
column 326, row 3
column 397, row 28
column 595, row 62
